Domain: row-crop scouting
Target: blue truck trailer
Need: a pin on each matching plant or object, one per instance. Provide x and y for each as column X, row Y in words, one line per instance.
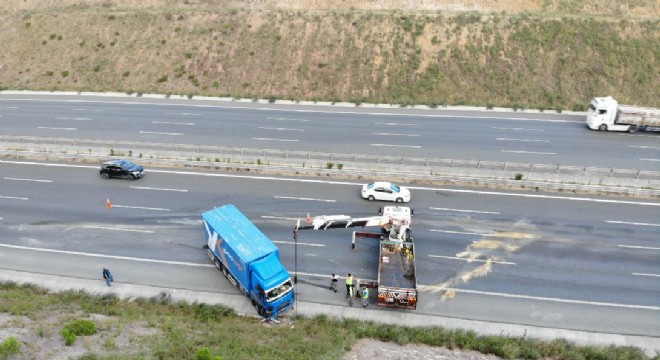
column 248, row 259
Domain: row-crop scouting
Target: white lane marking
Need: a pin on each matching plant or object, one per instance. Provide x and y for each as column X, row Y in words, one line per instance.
column 394, row 124
column 630, row 223
column 35, row 180
column 70, row 118
column 184, row 114
column 465, row 211
column 10, row 107
column 394, row 134
column 643, row 274
column 346, row 183
column 278, row 218
column 515, row 129
column 643, row 159
column 270, row 139
column 398, row 146
column 644, row 147
column 280, row 129
column 93, row 110
column 160, row 133
column 656, row 308
column 105, row 256
column 287, row 119
column 637, row 135
column 139, row 207
column 117, row 229
column 13, row 197
column 528, row 152
column 460, row 232
column 522, row 140
column 1, row 218
column 161, row 189
column 467, row 117
column 472, row 260
column 569, row 301
column 294, row 243
column 305, row 199
column 639, row 247
column 173, row 123
column 56, row 128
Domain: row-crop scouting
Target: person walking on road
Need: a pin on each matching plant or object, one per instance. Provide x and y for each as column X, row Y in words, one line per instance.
column 107, row 275
column 333, row 282
column 365, row 296
column 349, row 284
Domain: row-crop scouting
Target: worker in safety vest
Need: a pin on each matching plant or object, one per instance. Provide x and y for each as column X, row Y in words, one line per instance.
column 349, row 284
column 365, row 296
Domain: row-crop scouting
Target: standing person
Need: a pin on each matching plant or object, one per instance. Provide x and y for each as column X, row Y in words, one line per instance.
column 107, row 275
column 333, row 282
column 365, row 296
column 349, row 284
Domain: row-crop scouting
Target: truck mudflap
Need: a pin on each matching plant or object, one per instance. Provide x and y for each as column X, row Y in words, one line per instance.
column 397, row 298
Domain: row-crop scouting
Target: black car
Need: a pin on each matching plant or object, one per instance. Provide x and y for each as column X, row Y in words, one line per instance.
column 121, row 169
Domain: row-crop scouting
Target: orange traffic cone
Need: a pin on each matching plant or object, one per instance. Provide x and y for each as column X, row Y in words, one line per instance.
column 309, row 219
column 108, row 204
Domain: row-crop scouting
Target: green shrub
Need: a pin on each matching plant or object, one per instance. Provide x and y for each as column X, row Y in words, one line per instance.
column 329, row 165
column 69, row 337
column 11, row 346
column 82, row 327
column 204, row 354
column 518, row 176
column 65, row 73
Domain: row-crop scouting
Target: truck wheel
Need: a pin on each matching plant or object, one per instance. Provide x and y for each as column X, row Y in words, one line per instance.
column 633, row 129
column 371, row 198
column 602, row 127
column 217, row 264
column 260, row 311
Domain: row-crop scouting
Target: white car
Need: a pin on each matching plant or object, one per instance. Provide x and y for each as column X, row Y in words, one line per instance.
column 385, row 191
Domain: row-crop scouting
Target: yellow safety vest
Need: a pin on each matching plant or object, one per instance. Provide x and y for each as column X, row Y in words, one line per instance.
column 349, row 280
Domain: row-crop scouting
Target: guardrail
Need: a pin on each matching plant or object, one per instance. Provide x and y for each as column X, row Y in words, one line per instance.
column 270, row 154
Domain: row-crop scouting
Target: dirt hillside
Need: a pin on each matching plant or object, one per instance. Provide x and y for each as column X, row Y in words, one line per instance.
column 533, row 54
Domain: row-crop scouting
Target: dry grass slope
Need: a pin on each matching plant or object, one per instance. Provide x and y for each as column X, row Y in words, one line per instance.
column 531, row 54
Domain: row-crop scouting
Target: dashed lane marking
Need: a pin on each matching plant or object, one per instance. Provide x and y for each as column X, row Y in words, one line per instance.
column 472, row 260
column 304, row 199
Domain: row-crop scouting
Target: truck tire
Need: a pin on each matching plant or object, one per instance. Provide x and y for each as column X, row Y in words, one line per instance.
column 260, row 311
column 633, row 129
column 602, row 127
column 217, row 264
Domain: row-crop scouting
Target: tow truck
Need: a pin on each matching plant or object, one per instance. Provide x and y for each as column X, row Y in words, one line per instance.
column 397, row 284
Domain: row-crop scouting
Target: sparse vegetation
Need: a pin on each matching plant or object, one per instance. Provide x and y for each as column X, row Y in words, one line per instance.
column 537, row 55
column 183, row 331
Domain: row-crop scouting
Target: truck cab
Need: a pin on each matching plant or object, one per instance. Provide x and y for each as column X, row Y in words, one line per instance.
column 602, row 115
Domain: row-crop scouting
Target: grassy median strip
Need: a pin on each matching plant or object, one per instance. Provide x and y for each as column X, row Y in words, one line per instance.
column 34, row 320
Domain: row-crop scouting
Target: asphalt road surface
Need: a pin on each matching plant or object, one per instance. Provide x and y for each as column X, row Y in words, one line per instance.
column 558, row 261
column 546, row 138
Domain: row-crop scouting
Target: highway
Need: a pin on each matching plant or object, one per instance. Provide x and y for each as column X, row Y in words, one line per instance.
column 559, row 261
column 546, row 138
